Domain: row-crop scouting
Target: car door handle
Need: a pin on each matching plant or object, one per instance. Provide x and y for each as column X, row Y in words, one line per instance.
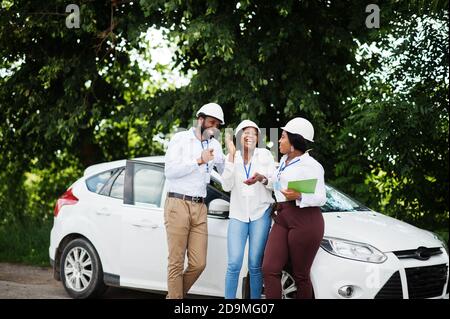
column 152, row 226
column 102, row 212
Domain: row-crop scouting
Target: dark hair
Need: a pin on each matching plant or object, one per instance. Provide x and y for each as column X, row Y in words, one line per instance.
column 297, row 141
column 204, row 116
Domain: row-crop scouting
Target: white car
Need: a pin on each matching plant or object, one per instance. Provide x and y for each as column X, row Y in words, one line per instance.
column 109, row 231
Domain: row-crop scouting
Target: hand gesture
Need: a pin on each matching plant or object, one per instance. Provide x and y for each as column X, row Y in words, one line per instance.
column 250, row 181
column 255, row 178
column 207, row 155
column 291, row 194
column 259, row 177
column 230, row 145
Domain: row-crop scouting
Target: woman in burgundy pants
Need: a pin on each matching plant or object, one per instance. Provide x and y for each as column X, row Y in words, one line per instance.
column 298, row 229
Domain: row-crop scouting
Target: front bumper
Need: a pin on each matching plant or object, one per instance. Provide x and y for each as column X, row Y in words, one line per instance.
column 395, row 278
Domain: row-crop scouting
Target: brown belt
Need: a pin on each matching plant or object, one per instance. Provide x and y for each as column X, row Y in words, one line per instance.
column 195, row 199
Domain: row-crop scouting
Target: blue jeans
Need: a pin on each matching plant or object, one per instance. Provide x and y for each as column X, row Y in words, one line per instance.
column 257, row 232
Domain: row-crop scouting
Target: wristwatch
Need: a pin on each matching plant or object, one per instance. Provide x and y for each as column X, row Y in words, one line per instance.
column 264, row 181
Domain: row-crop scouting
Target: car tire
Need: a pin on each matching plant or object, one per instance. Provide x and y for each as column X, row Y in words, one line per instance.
column 246, row 287
column 81, row 270
column 288, row 287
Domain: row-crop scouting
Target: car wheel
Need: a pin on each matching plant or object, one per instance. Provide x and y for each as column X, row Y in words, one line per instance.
column 81, row 270
column 288, row 287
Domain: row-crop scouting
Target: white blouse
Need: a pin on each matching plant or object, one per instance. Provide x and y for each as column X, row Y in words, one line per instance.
column 299, row 168
column 248, row 202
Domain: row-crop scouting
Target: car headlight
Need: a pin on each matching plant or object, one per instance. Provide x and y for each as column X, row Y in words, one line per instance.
column 353, row 250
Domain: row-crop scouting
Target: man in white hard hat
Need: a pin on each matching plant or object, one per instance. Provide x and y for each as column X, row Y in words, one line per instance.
column 190, row 158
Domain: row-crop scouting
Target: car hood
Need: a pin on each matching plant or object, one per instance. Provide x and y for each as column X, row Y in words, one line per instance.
column 382, row 232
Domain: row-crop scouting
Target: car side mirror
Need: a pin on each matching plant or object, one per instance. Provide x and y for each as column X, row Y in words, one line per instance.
column 219, row 208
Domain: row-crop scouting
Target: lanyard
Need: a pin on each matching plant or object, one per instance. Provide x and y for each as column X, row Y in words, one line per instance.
column 282, row 168
column 247, row 173
column 207, row 145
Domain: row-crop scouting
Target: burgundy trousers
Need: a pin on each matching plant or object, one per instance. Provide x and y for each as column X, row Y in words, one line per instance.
column 295, row 236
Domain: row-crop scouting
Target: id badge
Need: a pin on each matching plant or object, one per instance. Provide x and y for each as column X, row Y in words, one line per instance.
column 277, row 186
column 248, row 190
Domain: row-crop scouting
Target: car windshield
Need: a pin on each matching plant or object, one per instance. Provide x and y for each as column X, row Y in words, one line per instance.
column 339, row 202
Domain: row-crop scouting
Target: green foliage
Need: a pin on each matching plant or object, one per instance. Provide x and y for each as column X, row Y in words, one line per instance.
column 270, row 61
column 12, row 203
column 66, row 98
column 397, row 134
column 67, row 80
column 25, row 243
column 43, row 186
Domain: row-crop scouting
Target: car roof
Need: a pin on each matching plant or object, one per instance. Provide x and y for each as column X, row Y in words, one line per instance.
column 101, row 167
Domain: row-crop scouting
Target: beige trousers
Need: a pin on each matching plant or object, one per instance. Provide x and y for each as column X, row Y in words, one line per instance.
column 187, row 230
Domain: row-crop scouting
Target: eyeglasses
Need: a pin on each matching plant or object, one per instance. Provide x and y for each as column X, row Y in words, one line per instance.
column 249, row 134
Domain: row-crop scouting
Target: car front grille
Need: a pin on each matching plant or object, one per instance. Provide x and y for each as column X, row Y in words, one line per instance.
column 421, row 253
column 426, row 282
column 392, row 289
column 423, row 282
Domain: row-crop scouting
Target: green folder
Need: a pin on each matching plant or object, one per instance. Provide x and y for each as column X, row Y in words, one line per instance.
column 307, row 186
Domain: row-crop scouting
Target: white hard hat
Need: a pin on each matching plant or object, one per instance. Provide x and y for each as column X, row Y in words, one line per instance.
column 213, row 110
column 300, row 126
column 244, row 124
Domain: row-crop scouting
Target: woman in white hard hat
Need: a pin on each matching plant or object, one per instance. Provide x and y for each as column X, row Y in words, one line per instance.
column 298, row 229
column 249, row 206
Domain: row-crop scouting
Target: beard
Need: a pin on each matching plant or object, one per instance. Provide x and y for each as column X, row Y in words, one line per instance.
column 202, row 129
column 208, row 133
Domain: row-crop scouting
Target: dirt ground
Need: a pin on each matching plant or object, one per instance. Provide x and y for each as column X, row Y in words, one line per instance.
column 30, row 282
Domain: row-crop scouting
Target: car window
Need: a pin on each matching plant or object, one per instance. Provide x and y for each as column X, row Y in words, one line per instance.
column 96, row 182
column 339, row 202
column 117, row 187
column 148, row 183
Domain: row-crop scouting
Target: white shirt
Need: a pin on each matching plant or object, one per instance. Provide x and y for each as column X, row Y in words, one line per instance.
column 248, row 202
column 305, row 168
column 182, row 171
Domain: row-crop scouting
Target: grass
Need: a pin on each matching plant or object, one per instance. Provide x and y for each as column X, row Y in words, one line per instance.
column 25, row 243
